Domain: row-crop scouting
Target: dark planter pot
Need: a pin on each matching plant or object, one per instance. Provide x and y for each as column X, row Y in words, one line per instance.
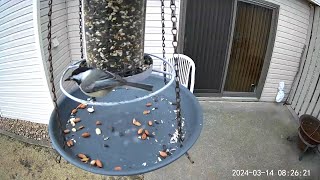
column 309, row 131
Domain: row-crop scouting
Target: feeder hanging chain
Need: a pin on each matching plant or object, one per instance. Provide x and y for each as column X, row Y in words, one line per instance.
column 174, row 31
column 163, row 41
column 175, row 56
column 80, row 29
column 53, row 88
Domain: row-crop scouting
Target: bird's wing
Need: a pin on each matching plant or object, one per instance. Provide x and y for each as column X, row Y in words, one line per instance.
column 102, row 75
column 100, row 80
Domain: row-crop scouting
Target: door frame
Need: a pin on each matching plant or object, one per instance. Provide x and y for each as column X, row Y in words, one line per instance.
column 270, row 45
column 267, row 59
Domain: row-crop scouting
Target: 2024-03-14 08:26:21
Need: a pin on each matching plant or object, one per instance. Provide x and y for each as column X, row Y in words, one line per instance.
column 292, row 173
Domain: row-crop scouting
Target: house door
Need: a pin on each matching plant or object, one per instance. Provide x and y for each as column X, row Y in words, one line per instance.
column 206, row 37
column 249, row 47
column 231, row 43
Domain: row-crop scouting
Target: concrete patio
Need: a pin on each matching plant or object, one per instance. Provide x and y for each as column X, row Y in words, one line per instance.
column 236, row 136
column 242, row 136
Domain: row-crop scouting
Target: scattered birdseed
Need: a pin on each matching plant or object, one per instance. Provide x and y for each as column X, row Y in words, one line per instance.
column 98, row 131
column 135, row 122
column 73, row 129
column 174, row 138
column 67, row 131
column 172, row 150
column 90, row 110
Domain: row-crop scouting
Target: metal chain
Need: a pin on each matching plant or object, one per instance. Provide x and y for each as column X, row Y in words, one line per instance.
column 163, row 41
column 174, row 31
column 175, row 56
column 80, row 29
column 53, row 88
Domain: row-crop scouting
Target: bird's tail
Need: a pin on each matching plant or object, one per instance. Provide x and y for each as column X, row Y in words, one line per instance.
column 140, row 86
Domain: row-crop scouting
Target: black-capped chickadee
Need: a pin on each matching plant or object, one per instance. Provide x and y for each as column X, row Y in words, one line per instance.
column 96, row 83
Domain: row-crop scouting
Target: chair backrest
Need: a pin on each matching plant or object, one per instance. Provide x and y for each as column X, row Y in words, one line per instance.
column 187, row 69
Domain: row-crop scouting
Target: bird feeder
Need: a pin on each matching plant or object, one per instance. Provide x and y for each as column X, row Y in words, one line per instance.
column 127, row 132
column 114, row 34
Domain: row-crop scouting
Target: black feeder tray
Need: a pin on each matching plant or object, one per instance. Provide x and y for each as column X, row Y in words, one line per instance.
column 119, row 145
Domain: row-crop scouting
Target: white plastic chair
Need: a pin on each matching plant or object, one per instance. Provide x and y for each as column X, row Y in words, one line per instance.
column 185, row 66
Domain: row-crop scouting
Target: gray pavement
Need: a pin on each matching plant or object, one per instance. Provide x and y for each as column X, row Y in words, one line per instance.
column 242, row 136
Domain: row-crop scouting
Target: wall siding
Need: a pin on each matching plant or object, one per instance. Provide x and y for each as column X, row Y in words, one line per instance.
column 305, row 97
column 24, row 93
column 290, row 38
column 61, row 54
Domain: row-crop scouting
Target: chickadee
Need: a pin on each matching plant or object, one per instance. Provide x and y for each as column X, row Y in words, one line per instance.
column 97, row 83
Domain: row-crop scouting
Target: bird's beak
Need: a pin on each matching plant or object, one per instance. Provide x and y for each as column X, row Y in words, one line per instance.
column 68, row 79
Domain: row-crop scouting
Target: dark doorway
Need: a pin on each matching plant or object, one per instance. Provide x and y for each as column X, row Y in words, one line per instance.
column 249, row 47
column 206, row 39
